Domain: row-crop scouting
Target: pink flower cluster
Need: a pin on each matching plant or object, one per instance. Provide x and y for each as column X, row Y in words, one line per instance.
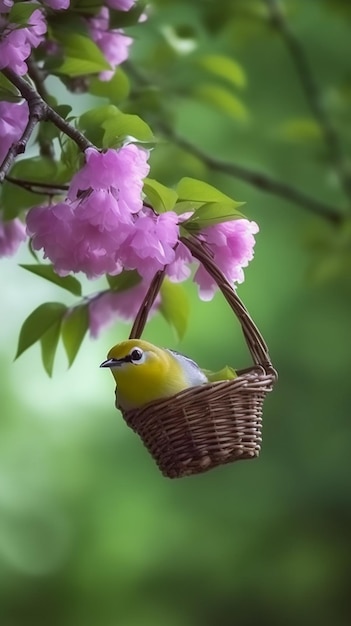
column 16, row 42
column 113, row 43
column 106, row 307
column 5, row 5
column 103, row 227
column 12, row 233
column 13, row 120
column 86, row 231
column 232, row 245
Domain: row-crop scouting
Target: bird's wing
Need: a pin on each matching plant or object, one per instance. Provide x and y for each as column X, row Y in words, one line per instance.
column 192, row 371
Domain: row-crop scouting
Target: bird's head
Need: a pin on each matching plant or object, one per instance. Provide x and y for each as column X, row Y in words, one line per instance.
column 139, row 369
column 145, row 373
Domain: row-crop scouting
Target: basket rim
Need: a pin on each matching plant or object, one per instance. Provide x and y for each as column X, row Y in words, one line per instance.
column 268, row 378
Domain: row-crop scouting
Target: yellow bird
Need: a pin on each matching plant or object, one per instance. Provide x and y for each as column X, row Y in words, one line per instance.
column 145, row 373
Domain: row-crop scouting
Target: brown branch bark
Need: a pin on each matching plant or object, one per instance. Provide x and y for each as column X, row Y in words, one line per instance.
column 39, row 111
column 258, row 179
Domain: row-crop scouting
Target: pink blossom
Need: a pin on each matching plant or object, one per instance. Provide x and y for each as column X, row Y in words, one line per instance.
column 36, row 28
column 14, row 49
column 231, row 244
column 120, row 5
column 5, row 5
column 112, row 43
column 16, row 42
column 179, row 269
column 107, row 307
column 12, row 233
column 121, row 170
column 86, row 231
column 13, row 120
column 150, row 245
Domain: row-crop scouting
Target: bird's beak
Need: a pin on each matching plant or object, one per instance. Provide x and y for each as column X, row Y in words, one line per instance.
column 111, row 363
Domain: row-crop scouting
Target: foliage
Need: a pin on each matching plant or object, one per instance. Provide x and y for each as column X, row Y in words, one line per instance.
column 90, row 533
column 86, row 45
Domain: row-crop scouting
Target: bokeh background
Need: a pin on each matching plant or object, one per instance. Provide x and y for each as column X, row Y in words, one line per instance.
column 90, row 533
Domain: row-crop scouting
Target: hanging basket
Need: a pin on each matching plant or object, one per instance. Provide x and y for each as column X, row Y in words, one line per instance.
column 213, row 424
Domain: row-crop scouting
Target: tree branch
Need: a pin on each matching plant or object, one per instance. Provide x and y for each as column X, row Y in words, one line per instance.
column 48, row 189
column 46, row 145
column 312, row 92
column 35, row 115
column 39, row 111
column 257, row 179
column 38, row 78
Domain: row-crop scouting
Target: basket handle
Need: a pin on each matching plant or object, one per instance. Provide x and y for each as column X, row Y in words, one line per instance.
column 255, row 342
column 144, row 310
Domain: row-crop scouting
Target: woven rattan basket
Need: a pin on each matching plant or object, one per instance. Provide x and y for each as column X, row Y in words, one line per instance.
column 217, row 423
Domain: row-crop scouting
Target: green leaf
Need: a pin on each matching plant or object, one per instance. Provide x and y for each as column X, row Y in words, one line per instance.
column 38, row 169
column 116, row 89
column 123, row 125
column 186, row 205
column 63, row 109
column 198, row 191
column 8, row 91
column 38, row 323
column 213, row 213
column 21, row 12
column 224, row 67
column 70, row 155
column 107, row 126
column 84, row 6
column 90, row 123
column 160, row 197
column 222, row 100
column 48, row 345
column 81, row 56
column 75, row 325
column 14, row 198
column 175, row 306
column 123, row 281
column 301, row 129
column 68, row 23
column 69, row 283
column 226, row 373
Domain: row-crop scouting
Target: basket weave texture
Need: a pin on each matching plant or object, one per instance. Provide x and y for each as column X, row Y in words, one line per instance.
column 213, row 424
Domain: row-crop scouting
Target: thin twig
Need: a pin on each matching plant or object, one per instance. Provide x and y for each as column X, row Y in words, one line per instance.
column 255, row 178
column 39, row 111
column 49, row 189
column 258, row 179
column 312, row 92
column 38, row 79
column 37, row 76
column 35, row 106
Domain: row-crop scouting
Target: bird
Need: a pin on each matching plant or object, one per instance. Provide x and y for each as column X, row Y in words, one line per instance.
column 145, row 373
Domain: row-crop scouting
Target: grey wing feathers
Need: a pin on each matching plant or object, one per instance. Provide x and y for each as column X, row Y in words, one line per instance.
column 194, row 374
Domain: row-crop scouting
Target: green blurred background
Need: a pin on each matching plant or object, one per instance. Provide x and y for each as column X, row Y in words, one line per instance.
column 90, row 533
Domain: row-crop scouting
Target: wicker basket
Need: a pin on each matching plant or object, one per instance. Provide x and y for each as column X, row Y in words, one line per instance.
column 217, row 423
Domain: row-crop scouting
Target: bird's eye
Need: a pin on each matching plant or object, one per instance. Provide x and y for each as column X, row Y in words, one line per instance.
column 136, row 355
